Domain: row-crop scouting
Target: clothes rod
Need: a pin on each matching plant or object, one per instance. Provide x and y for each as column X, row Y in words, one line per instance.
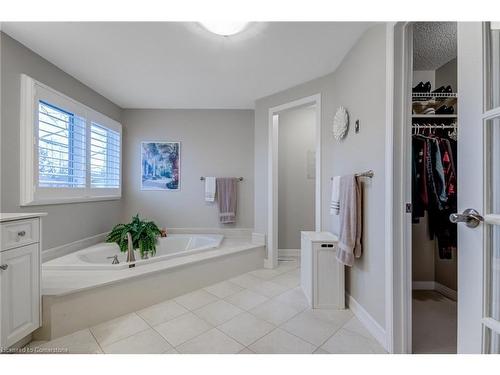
column 368, row 174
column 203, row 178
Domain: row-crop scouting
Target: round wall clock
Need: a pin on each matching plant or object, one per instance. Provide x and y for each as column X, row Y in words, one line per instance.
column 340, row 123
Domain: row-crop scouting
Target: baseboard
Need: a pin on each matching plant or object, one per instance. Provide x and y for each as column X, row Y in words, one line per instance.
column 445, row 291
column 434, row 285
column 71, row 247
column 288, row 253
column 367, row 320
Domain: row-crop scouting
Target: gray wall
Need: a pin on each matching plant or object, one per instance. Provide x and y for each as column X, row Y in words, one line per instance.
column 359, row 85
column 65, row 222
column 296, row 137
column 213, row 143
column 447, row 75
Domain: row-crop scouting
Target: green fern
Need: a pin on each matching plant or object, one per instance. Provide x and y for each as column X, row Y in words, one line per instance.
column 144, row 235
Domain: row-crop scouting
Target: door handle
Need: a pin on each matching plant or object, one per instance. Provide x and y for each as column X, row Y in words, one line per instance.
column 3, row 267
column 470, row 217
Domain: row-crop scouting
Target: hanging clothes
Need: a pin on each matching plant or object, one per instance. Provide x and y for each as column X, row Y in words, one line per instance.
column 434, row 188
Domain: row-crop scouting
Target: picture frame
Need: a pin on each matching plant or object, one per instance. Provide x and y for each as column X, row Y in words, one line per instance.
column 160, row 165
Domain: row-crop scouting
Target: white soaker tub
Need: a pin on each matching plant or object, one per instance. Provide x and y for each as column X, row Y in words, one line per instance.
column 99, row 257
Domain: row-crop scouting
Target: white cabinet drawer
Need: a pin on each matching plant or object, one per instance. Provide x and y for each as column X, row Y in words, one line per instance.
column 19, row 233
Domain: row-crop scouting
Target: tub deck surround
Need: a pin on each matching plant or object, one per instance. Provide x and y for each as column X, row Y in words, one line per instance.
column 100, row 256
column 78, row 299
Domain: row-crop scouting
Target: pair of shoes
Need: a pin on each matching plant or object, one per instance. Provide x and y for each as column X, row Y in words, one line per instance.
column 422, row 87
column 445, row 110
column 443, row 90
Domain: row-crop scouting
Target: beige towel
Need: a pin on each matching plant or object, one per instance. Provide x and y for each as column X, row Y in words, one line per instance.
column 351, row 220
column 227, row 188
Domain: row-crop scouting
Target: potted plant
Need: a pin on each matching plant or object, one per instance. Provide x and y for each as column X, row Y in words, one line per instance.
column 144, row 235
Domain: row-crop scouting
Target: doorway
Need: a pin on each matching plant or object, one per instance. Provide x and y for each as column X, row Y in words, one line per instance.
column 297, row 161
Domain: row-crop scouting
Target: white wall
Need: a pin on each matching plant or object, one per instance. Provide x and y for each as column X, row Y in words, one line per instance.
column 359, row 85
column 213, row 143
column 65, row 222
column 296, row 137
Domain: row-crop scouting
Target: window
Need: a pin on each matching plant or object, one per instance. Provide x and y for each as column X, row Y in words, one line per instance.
column 69, row 152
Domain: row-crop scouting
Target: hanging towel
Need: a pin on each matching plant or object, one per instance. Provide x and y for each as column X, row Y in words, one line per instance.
column 227, row 188
column 349, row 245
column 335, row 203
column 209, row 189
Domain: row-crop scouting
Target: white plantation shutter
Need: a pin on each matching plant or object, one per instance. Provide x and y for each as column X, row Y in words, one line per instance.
column 69, row 152
column 61, row 148
column 104, row 157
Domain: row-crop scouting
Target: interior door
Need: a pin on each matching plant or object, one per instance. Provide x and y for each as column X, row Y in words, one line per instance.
column 478, row 188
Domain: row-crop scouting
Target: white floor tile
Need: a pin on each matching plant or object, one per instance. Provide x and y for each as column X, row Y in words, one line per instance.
column 196, row 299
column 349, row 342
column 111, row 331
column 218, row 312
column 246, row 299
column 288, row 279
column 223, row 289
column 281, row 342
column 80, row 342
column 211, row 342
column 294, row 298
column 316, row 326
column 246, row 280
column 269, row 288
column 145, row 342
column 265, row 273
column 245, row 351
column 182, row 329
column 162, row 312
column 246, row 328
column 274, row 312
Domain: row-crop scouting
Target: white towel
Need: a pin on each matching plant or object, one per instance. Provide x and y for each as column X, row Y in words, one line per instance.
column 335, row 200
column 209, row 189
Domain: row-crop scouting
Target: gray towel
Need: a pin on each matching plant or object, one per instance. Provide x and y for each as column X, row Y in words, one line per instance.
column 227, row 188
column 351, row 220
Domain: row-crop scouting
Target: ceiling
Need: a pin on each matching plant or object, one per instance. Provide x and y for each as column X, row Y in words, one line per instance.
column 434, row 44
column 181, row 65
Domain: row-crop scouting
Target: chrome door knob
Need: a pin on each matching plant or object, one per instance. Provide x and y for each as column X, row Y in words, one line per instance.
column 470, row 217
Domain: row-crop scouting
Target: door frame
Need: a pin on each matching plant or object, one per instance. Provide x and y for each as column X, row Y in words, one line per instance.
column 398, row 222
column 272, row 181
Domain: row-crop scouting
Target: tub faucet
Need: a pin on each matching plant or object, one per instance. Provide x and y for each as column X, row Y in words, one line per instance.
column 130, row 250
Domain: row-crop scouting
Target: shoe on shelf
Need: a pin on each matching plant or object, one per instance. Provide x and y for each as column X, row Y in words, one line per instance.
column 445, row 110
column 439, row 90
column 419, row 88
column 427, row 86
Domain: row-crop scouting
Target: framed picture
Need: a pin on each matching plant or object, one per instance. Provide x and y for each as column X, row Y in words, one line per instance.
column 160, row 166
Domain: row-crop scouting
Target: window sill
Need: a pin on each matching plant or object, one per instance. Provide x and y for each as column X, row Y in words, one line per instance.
column 45, row 202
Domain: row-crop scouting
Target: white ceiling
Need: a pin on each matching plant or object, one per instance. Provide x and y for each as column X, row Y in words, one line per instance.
column 434, row 44
column 181, row 65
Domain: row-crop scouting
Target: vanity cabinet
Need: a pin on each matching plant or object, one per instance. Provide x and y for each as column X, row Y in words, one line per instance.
column 20, row 277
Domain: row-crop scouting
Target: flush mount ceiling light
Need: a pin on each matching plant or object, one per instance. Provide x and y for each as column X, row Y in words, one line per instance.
column 224, row 28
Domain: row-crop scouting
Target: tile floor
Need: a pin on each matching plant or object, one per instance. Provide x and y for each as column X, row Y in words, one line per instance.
column 263, row 311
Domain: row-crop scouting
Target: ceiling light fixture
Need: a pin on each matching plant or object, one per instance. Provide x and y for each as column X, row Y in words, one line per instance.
column 224, row 28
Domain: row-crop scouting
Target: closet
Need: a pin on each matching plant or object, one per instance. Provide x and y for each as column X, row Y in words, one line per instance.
column 434, row 129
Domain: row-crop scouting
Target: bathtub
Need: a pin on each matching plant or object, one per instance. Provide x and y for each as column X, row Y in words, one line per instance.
column 99, row 257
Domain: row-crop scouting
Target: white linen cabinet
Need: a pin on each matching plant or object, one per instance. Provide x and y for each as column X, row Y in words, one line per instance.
column 20, row 276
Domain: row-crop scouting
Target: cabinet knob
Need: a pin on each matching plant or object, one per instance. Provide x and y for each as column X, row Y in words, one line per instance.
column 21, row 233
column 3, row 267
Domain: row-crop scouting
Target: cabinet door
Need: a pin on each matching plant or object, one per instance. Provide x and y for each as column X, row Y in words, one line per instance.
column 20, row 298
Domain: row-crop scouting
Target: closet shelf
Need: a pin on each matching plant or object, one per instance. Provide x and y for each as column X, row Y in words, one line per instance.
column 444, row 95
column 433, row 116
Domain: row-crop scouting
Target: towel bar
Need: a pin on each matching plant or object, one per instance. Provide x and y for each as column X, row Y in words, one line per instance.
column 368, row 174
column 203, row 178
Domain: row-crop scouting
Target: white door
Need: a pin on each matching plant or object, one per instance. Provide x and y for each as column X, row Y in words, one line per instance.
column 19, row 294
column 478, row 188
